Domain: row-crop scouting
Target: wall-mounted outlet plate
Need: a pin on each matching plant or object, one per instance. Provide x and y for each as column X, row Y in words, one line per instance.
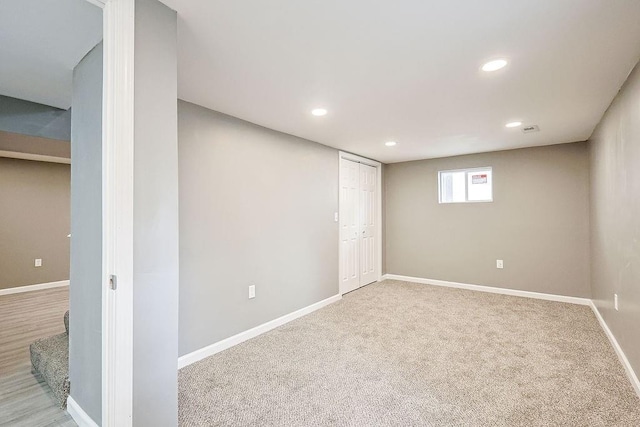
column 615, row 301
column 252, row 291
column 499, row 263
column 38, row 262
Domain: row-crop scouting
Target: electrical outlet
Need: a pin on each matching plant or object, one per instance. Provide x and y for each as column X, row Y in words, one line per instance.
column 615, row 301
column 252, row 291
column 499, row 263
column 38, row 262
column 335, row 216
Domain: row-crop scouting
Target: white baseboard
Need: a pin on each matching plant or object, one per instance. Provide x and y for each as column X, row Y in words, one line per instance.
column 35, row 157
column 490, row 289
column 219, row 346
column 79, row 416
column 623, row 358
column 29, row 288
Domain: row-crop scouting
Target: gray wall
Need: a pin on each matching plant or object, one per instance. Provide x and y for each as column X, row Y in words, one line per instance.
column 27, row 144
column 155, row 240
column 85, row 296
column 538, row 222
column 256, row 207
column 29, row 118
column 615, row 217
column 34, row 222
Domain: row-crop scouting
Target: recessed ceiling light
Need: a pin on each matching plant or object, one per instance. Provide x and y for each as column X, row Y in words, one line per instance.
column 513, row 124
column 319, row 112
column 494, row 65
column 390, row 143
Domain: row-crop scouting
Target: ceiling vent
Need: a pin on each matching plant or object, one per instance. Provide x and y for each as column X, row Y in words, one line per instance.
column 530, row 129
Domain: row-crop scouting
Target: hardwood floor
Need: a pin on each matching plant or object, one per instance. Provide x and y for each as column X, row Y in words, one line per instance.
column 25, row 400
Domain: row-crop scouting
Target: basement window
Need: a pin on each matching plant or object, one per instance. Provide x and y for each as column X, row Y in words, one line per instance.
column 465, row 185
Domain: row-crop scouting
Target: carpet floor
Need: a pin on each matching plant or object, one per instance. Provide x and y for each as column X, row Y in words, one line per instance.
column 404, row 354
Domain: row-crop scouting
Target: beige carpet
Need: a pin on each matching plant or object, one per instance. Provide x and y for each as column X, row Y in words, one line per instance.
column 404, row 354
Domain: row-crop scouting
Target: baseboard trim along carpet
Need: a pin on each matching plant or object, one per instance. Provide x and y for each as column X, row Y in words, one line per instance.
column 614, row 342
column 34, row 157
column 79, row 416
column 29, row 288
column 490, row 289
column 219, row 346
column 633, row 378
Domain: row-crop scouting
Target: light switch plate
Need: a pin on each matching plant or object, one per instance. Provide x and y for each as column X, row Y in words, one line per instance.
column 499, row 263
column 252, row 291
column 38, row 262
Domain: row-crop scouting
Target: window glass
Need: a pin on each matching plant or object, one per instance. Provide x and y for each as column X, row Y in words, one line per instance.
column 466, row 185
column 452, row 187
column 479, row 186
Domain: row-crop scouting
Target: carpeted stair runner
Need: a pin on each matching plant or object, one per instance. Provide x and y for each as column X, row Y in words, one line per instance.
column 50, row 359
column 66, row 321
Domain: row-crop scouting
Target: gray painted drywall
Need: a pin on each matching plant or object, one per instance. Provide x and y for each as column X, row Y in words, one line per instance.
column 85, row 296
column 29, row 118
column 256, row 207
column 15, row 143
column 34, row 222
column 155, row 240
column 538, row 222
column 615, row 217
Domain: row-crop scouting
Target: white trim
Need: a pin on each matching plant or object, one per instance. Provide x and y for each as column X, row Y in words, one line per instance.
column 490, row 289
column 219, row 346
column 34, row 157
column 79, row 416
column 623, row 358
column 118, row 18
column 117, row 205
column 378, row 166
column 38, row 287
column 359, row 159
column 466, row 184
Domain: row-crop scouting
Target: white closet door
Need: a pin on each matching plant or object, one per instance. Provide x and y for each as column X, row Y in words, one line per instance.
column 368, row 179
column 349, row 226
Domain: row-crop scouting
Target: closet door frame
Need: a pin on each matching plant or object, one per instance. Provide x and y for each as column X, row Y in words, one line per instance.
column 378, row 210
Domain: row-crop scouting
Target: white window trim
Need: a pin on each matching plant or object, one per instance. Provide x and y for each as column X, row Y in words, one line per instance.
column 466, row 185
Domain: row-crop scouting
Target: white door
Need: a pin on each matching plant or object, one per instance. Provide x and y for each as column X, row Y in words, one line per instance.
column 368, row 179
column 358, row 222
column 349, row 226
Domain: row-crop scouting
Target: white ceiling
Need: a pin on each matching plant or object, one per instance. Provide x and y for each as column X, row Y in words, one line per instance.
column 408, row 70
column 41, row 41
